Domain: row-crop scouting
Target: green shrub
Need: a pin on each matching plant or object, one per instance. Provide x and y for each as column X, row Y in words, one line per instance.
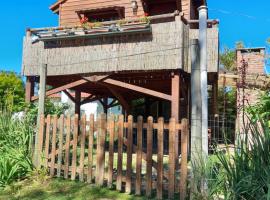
column 15, row 148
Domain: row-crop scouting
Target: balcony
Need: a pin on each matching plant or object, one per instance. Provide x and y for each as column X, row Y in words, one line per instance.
column 145, row 44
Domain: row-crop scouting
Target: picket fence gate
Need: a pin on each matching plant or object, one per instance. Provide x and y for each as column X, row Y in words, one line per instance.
column 110, row 152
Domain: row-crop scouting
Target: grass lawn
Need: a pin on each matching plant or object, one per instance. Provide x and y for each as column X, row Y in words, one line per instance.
column 59, row 189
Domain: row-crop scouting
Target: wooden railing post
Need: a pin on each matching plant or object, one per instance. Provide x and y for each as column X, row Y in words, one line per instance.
column 129, row 154
column 52, row 163
column 83, row 134
column 67, row 147
column 160, row 158
column 101, row 150
column 149, row 156
column 111, row 150
column 120, row 152
column 90, row 149
column 172, row 132
column 60, row 149
column 139, row 155
column 47, row 140
column 74, row 150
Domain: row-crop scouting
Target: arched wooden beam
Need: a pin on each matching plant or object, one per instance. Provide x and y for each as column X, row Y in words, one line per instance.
column 120, row 98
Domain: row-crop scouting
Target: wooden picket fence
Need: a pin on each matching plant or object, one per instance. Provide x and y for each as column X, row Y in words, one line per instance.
column 110, row 152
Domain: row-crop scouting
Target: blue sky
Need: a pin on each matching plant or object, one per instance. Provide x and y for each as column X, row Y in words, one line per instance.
column 244, row 20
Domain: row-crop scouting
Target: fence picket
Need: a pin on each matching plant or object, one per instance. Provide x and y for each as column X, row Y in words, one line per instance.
column 52, row 168
column 120, row 152
column 149, row 156
column 90, row 150
column 101, row 150
column 129, row 154
column 74, row 150
column 67, row 147
column 160, row 158
column 83, row 133
column 47, row 140
column 61, row 130
column 184, row 159
column 139, row 155
column 111, row 150
column 172, row 141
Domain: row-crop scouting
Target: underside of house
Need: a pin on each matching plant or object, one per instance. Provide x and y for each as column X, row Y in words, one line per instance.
column 127, row 52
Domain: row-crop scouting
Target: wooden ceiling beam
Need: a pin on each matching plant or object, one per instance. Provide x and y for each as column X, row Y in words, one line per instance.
column 62, row 88
column 138, row 89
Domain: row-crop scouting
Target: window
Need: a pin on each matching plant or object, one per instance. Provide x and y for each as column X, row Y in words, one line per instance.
column 103, row 14
column 159, row 7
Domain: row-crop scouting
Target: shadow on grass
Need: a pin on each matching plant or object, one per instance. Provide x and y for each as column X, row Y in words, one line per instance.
column 59, row 189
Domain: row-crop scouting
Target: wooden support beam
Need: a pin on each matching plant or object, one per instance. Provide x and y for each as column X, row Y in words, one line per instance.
column 29, row 89
column 138, row 89
column 94, row 98
column 69, row 96
column 41, row 108
column 63, row 87
column 77, row 102
column 120, row 98
column 112, row 103
column 105, row 105
column 175, row 107
column 91, row 96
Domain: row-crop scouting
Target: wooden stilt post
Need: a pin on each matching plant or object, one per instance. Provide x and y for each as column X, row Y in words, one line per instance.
column 78, row 103
column 105, row 105
column 175, row 105
column 29, row 89
column 41, row 108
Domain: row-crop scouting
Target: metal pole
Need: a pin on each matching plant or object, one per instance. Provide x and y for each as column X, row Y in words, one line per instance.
column 196, row 114
column 204, row 85
column 41, row 108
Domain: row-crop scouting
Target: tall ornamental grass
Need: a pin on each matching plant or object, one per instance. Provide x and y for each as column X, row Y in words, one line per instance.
column 15, row 148
column 247, row 169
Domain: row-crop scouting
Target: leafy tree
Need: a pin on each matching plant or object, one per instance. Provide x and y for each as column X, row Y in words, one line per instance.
column 11, row 91
column 228, row 59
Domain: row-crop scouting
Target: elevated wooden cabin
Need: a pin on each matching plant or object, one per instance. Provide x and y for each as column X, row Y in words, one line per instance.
column 121, row 49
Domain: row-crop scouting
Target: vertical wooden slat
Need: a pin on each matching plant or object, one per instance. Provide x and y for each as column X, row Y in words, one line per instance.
column 111, row 150
column 184, row 159
column 47, row 140
column 120, row 152
column 139, row 155
column 149, row 156
column 60, row 149
column 171, row 158
column 53, row 146
column 67, row 146
column 160, row 158
column 101, row 149
column 90, row 150
column 83, row 133
column 40, row 140
column 74, row 150
column 129, row 154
